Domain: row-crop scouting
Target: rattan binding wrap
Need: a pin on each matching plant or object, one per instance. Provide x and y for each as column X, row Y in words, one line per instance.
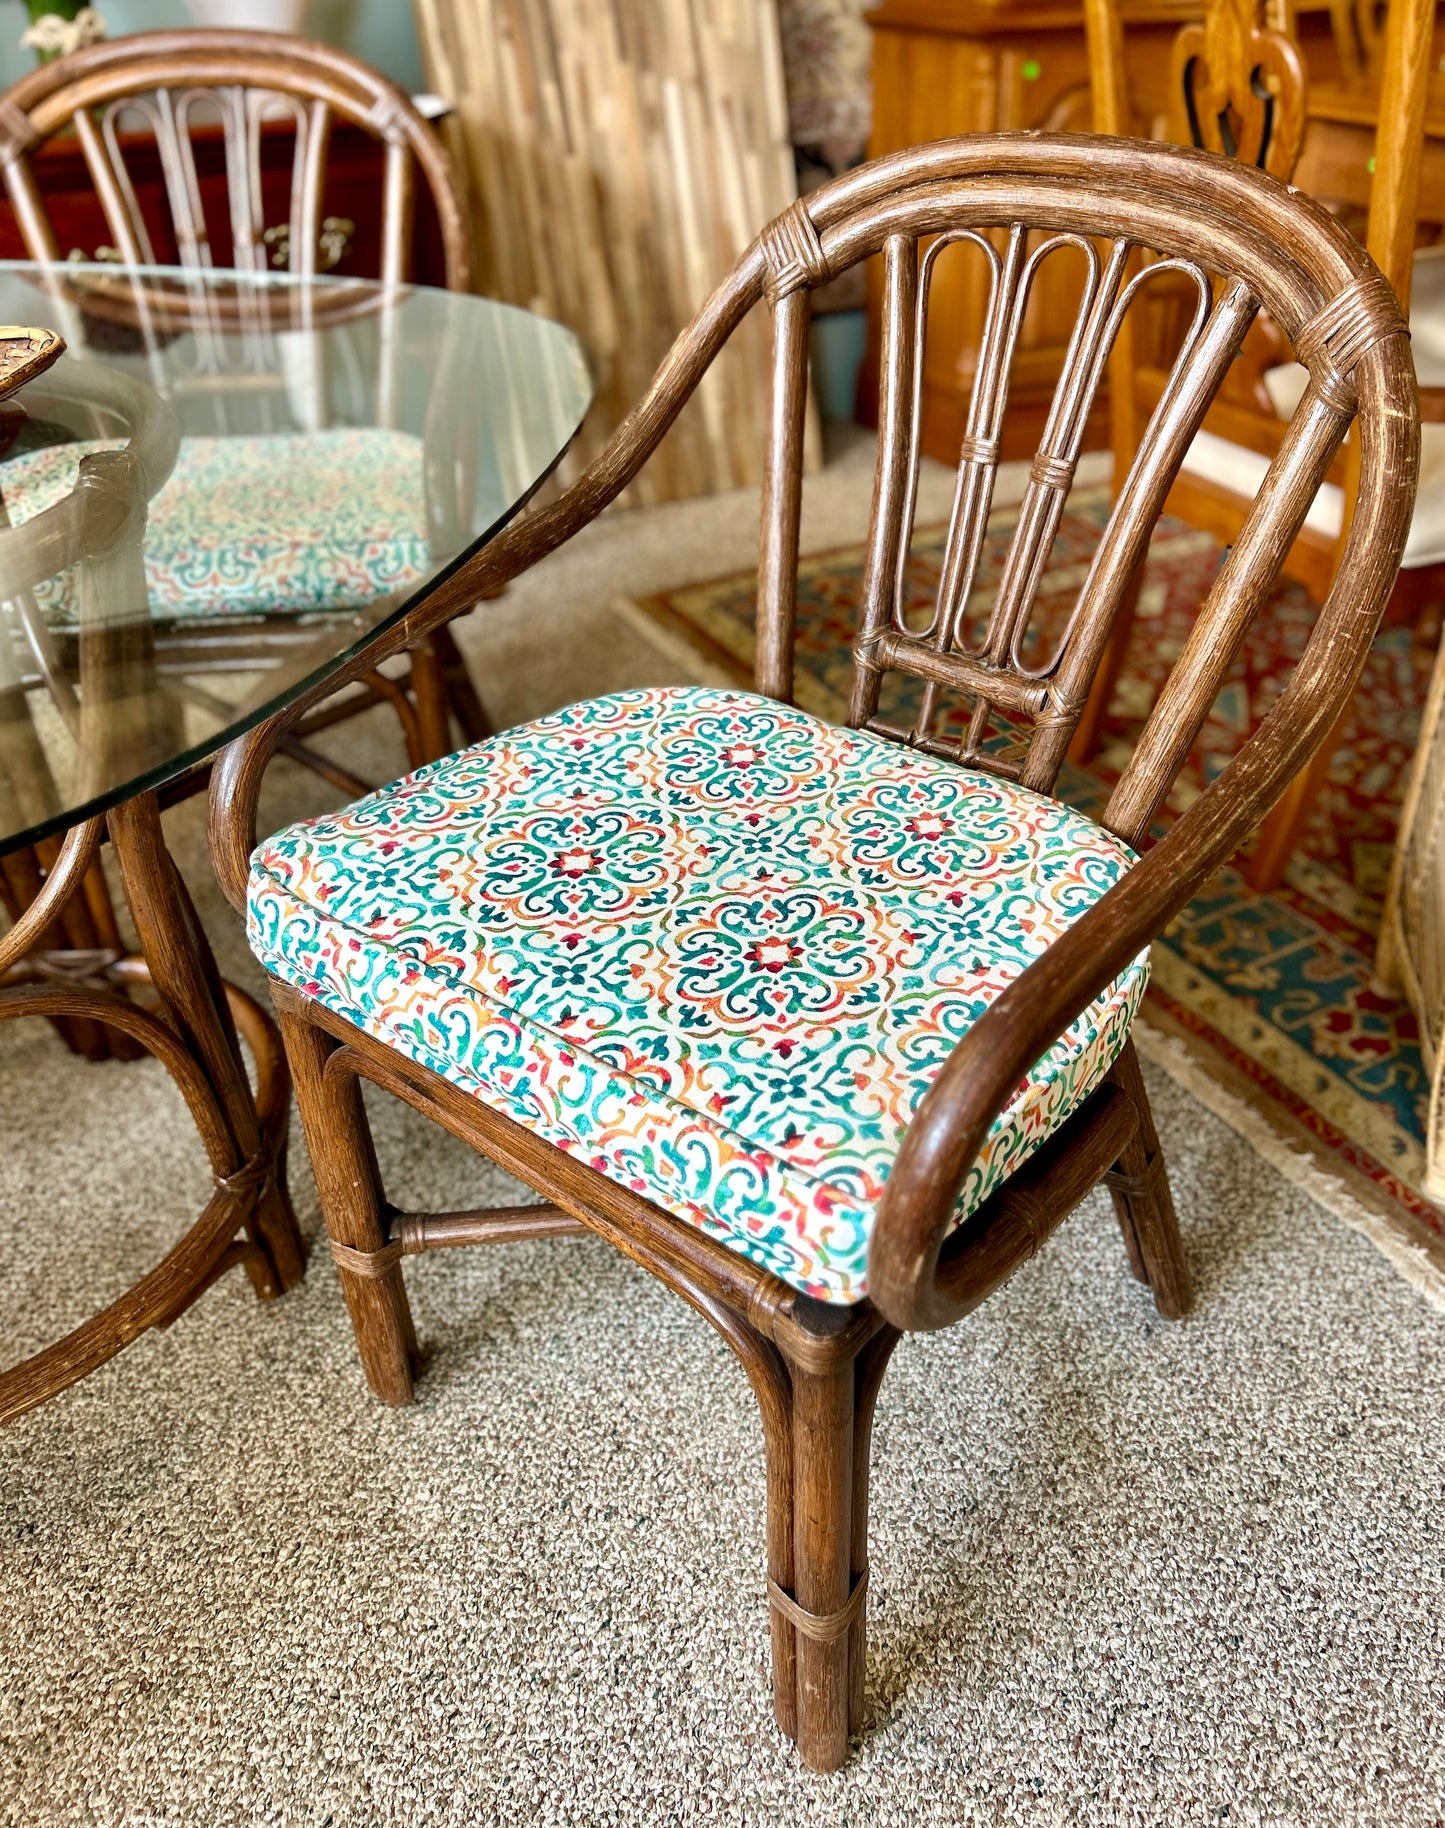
column 794, row 253
column 821, row 1627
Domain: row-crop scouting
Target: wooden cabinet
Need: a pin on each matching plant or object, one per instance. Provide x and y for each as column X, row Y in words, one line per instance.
column 945, row 67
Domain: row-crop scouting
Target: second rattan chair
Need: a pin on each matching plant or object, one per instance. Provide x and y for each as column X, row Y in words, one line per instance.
column 338, row 515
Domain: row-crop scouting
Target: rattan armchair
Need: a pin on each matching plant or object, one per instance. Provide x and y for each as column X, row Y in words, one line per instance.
column 827, row 1028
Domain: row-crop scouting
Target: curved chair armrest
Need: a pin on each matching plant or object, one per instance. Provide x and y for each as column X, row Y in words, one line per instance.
column 108, row 500
column 24, row 353
column 111, row 488
column 153, row 425
column 983, row 1071
column 980, row 1074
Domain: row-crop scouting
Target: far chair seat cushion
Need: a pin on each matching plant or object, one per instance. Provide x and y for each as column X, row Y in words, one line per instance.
column 713, row 946
column 1242, row 471
column 256, row 526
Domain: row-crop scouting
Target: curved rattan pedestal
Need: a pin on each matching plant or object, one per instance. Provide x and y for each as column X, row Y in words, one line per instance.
column 194, row 1034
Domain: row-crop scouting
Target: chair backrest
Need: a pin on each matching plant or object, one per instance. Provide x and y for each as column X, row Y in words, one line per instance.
column 1244, row 243
column 1237, row 81
column 1358, row 27
column 1405, row 60
column 1237, row 88
column 1019, row 200
column 165, row 86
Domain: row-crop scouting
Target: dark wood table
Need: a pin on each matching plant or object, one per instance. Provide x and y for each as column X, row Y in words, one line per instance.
column 113, row 698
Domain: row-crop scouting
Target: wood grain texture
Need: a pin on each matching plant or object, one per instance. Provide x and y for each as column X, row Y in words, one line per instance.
column 942, row 68
column 1236, row 86
column 1240, row 81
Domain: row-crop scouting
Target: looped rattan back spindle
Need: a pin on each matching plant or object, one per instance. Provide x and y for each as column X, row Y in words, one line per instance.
column 990, row 687
column 991, row 664
column 163, row 90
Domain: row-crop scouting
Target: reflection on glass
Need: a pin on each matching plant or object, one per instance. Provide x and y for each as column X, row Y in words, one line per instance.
column 223, row 487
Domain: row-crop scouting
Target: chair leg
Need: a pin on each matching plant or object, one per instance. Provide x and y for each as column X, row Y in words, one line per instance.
column 339, row 1140
column 462, row 698
column 442, row 689
column 1143, row 1204
column 429, row 691
column 1284, row 823
column 823, row 1405
column 869, row 1367
column 819, row 1632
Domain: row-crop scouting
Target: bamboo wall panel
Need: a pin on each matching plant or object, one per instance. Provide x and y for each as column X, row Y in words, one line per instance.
column 621, row 154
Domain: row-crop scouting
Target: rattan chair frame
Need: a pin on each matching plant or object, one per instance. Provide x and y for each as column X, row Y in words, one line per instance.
column 816, row 1369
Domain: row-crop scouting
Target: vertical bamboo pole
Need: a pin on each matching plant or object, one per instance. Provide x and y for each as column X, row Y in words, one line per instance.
column 622, row 154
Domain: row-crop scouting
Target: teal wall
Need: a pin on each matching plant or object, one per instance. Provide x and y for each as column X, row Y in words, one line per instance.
column 379, row 30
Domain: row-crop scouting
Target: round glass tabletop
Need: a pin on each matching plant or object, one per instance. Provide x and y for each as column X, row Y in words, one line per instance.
column 226, row 485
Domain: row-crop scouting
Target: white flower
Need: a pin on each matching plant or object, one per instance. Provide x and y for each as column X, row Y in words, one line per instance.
column 52, row 33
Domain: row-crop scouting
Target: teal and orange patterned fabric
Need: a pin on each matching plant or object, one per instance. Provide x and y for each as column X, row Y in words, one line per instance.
column 1278, row 991
column 265, row 525
column 714, row 947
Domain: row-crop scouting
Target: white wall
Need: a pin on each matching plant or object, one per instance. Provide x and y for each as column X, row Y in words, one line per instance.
column 379, row 30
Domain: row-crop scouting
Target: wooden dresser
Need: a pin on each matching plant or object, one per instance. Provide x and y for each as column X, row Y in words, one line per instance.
column 945, row 67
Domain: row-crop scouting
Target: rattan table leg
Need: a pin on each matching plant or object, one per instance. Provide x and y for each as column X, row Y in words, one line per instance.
column 248, row 1220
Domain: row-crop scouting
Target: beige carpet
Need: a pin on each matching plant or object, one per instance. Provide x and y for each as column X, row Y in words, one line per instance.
column 1123, row 1572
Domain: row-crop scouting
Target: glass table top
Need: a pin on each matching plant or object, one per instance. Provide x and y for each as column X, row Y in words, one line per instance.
column 225, row 486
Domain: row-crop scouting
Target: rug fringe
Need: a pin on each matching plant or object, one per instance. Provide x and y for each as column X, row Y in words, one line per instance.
column 1411, row 1259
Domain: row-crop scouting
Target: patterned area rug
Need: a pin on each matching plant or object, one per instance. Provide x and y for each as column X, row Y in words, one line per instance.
column 1277, row 991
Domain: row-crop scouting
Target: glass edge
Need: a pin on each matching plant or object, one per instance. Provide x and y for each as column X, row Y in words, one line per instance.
column 155, row 779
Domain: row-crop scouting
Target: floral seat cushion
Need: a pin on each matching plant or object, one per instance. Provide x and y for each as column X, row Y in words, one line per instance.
column 262, row 525
column 713, row 946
